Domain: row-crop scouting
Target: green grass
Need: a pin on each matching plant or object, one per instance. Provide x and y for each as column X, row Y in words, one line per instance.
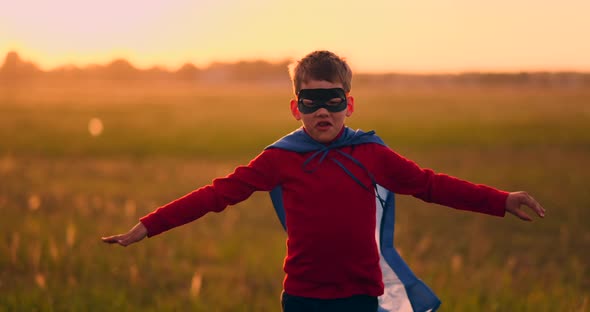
column 62, row 189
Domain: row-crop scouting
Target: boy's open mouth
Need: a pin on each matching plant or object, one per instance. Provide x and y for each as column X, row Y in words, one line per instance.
column 323, row 124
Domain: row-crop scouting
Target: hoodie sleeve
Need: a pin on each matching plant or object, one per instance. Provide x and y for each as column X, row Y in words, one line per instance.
column 258, row 175
column 403, row 176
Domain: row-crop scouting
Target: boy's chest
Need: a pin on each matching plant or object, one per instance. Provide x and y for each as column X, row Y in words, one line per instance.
column 334, row 190
column 330, row 175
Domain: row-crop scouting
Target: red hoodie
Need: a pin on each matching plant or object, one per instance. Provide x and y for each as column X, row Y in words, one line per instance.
column 331, row 247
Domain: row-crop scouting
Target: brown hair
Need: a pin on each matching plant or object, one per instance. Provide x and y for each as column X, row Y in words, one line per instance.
column 321, row 65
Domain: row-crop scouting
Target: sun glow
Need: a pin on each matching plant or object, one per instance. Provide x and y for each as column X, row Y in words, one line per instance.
column 374, row 35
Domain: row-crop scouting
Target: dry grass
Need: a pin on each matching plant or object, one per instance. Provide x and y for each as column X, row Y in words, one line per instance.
column 61, row 189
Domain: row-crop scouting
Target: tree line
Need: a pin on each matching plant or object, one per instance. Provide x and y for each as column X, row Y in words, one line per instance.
column 16, row 70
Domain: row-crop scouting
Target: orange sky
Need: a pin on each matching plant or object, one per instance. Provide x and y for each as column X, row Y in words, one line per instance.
column 375, row 36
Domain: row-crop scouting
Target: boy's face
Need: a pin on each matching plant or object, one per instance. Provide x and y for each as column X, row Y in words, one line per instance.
column 323, row 125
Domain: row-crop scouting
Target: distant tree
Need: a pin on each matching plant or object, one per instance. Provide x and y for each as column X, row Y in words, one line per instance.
column 246, row 71
column 155, row 73
column 67, row 72
column 14, row 68
column 188, row 72
column 259, row 70
column 120, row 69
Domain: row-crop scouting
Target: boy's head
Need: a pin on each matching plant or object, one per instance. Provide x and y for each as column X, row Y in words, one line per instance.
column 321, row 81
column 321, row 65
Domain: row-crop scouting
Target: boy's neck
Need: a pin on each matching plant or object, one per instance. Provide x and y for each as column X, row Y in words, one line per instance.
column 334, row 139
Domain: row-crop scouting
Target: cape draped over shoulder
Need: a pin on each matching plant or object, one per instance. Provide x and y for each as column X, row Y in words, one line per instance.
column 403, row 290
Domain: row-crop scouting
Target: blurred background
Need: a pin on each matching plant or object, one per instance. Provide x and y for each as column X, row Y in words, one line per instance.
column 109, row 110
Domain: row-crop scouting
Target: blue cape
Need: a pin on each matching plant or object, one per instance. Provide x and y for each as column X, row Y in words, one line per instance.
column 403, row 290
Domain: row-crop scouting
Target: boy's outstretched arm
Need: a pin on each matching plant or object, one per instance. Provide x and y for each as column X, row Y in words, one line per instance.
column 515, row 200
column 137, row 233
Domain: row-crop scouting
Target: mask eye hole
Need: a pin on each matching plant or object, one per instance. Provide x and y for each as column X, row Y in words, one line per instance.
column 334, row 102
column 307, row 102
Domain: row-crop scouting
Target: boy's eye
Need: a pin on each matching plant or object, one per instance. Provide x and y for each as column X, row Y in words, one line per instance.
column 334, row 102
column 308, row 103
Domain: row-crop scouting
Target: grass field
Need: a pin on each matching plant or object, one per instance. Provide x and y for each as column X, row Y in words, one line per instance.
column 61, row 189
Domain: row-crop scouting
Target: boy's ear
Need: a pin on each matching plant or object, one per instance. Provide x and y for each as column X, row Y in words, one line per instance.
column 295, row 110
column 350, row 106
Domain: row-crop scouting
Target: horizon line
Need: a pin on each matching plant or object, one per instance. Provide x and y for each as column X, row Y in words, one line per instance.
column 288, row 60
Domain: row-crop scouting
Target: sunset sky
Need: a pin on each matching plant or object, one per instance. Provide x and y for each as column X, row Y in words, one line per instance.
column 374, row 35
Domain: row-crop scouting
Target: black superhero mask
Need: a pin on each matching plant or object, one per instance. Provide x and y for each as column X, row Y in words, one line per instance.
column 310, row 100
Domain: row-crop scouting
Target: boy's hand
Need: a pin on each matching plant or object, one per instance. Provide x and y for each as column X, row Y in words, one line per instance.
column 137, row 233
column 516, row 199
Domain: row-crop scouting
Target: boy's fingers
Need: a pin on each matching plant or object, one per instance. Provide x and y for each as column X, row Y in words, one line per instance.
column 523, row 215
column 109, row 240
column 533, row 204
column 113, row 239
column 126, row 242
column 137, row 233
column 539, row 209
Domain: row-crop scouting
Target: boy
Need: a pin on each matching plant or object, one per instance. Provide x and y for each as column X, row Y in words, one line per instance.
column 324, row 178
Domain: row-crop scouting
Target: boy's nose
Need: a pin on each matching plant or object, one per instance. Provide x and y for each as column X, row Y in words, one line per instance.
column 322, row 112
